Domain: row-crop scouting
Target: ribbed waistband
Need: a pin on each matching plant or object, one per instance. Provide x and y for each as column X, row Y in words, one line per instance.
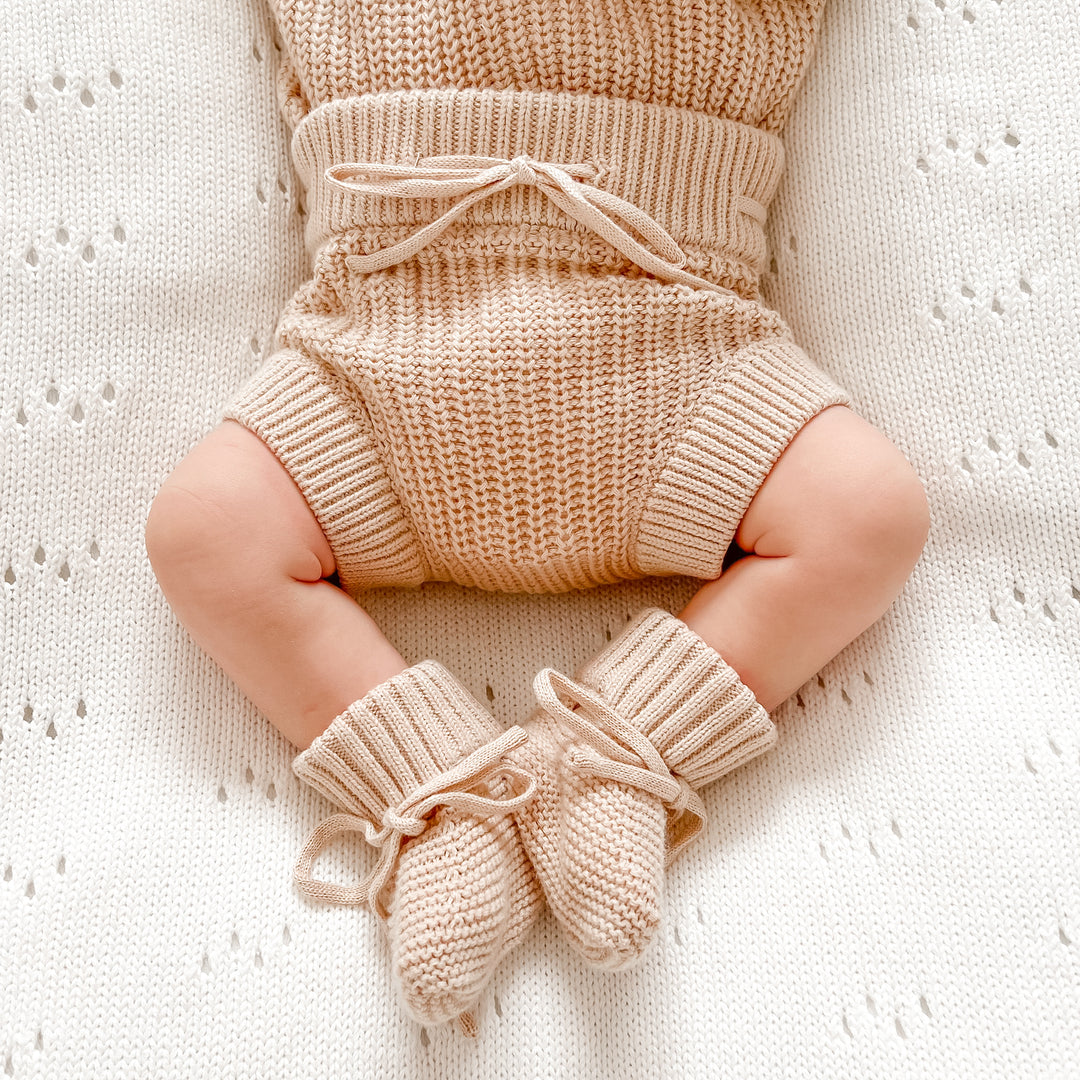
column 693, row 173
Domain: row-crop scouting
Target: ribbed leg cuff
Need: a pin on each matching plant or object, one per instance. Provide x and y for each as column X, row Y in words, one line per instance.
column 402, row 733
column 678, row 691
column 739, row 429
column 322, row 435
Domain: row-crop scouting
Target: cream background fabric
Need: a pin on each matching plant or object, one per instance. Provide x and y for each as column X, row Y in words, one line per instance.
column 891, row 892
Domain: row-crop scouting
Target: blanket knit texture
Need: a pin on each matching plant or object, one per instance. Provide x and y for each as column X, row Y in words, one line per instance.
column 890, row 892
column 488, row 379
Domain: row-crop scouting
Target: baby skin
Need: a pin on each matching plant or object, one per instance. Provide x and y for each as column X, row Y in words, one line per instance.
column 829, row 540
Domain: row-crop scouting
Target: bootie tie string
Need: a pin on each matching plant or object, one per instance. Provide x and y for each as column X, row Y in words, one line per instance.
column 611, row 749
column 452, row 788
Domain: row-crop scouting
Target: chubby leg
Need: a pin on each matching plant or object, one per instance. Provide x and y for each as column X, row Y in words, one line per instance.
column 831, row 537
column 674, row 703
column 242, row 562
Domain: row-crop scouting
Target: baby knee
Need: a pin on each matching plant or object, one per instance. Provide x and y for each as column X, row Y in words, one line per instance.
column 888, row 516
column 188, row 531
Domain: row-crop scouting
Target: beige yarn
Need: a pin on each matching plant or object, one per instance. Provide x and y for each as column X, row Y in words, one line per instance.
column 420, row 769
column 531, row 356
column 736, row 58
column 618, row 755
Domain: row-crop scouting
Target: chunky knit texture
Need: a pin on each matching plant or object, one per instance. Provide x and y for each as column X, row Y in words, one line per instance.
column 618, row 755
column 891, row 892
column 531, row 356
column 736, row 58
column 418, row 767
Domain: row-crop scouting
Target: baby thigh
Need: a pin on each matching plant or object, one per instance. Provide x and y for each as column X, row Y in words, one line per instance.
column 242, row 561
column 231, row 509
column 841, row 490
column 830, row 538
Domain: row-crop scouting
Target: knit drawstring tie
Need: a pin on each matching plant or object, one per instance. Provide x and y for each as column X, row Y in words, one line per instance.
column 453, row 788
column 478, row 177
column 611, row 749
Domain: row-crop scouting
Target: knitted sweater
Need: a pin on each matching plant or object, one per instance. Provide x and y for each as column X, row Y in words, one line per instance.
column 739, row 59
column 735, row 59
column 498, row 374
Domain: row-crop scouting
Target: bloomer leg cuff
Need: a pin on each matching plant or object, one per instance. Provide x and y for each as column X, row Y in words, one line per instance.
column 322, row 435
column 658, row 714
column 739, row 429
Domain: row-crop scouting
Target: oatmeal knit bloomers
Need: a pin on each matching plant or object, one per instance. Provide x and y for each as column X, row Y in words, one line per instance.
column 531, row 357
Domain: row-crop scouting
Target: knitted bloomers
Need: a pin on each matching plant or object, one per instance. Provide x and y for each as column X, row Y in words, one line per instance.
column 418, row 767
column 618, row 755
column 531, row 356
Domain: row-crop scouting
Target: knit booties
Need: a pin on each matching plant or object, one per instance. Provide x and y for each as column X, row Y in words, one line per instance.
column 618, row 756
column 419, row 767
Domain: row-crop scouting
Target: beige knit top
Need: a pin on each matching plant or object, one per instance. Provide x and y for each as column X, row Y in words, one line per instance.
column 677, row 101
column 739, row 59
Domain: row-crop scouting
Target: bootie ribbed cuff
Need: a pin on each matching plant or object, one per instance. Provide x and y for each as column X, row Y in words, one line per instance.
column 402, row 733
column 682, row 695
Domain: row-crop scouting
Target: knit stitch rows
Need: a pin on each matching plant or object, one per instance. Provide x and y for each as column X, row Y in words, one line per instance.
column 489, row 379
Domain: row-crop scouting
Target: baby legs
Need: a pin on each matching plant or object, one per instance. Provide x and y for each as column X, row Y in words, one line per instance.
column 242, row 562
column 674, row 703
column 412, row 760
column 618, row 753
column 831, row 537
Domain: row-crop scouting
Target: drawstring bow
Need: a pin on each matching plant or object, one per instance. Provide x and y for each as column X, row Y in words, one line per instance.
column 475, row 177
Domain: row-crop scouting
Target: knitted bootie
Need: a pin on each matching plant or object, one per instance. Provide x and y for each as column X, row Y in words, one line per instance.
column 420, row 768
column 618, row 756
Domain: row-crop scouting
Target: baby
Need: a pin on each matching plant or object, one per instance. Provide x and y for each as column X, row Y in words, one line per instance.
column 532, row 357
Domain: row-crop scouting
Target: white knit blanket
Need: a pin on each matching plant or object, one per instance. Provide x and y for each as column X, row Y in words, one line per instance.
column 892, row 891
